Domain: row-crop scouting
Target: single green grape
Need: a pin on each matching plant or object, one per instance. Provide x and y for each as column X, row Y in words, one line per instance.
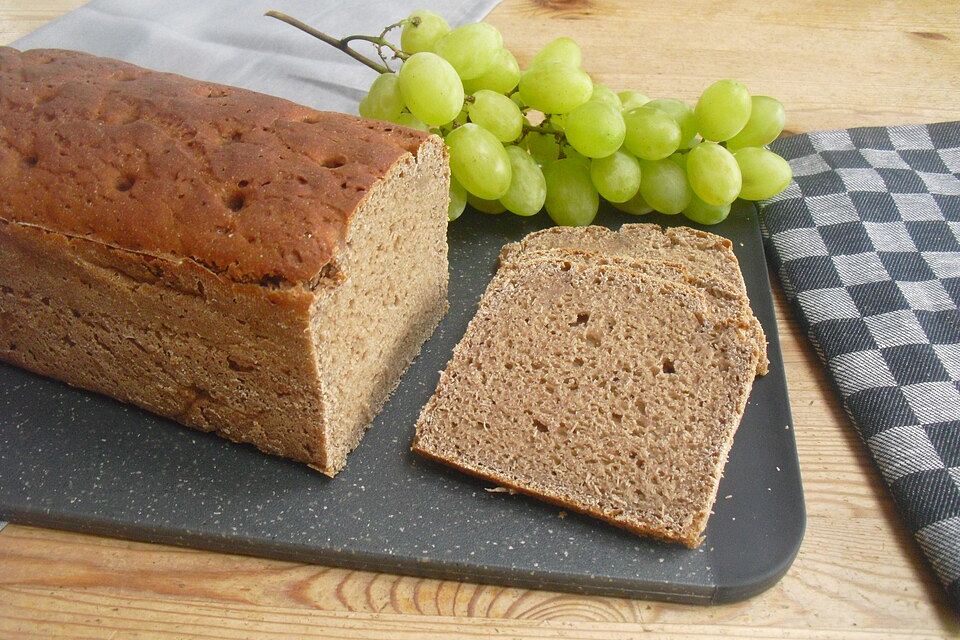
column 714, row 174
column 478, row 161
column 563, row 50
column 471, row 49
column 425, row 35
column 555, row 87
column 492, row 207
column 664, row 186
column 543, row 147
column 651, row 134
column 631, row 100
column 497, row 114
column 616, row 177
column 703, row 213
column 407, row 119
column 595, row 129
column 723, row 110
column 767, row 118
column 683, row 114
column 635, row 206
column 458, row 200
column 602, row 93
column 528, row 188
column 571, row 200
column 431, row 88
column 501, row 76
column 384, row 100
column 765, row 174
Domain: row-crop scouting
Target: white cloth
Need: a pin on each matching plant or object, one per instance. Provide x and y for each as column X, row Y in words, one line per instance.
column 232, row 42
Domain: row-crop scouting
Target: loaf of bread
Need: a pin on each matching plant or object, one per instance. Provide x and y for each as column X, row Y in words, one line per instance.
column 607, row 385
column 231, row 260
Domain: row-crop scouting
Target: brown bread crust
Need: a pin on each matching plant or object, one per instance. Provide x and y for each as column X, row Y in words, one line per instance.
column 106, row 150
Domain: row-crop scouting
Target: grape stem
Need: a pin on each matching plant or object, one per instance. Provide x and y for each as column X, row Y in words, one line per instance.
column 379, row 42
column 397, row 53
column 341, row 44
column 528, row 128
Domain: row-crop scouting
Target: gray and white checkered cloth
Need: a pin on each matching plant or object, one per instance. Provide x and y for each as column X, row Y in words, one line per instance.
column 866, row 240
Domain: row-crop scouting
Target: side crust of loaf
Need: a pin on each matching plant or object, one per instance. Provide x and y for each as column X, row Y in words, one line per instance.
column 170, row 337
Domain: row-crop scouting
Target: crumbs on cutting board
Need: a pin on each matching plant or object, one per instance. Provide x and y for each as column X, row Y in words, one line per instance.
column 501, row 490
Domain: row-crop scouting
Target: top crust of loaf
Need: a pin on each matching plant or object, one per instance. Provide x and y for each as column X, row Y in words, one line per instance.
column 253, row 187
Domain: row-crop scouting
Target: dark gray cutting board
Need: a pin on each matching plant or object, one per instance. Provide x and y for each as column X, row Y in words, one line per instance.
column 76, row 460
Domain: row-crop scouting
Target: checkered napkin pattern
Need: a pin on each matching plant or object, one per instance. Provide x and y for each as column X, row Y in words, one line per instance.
column 866, row 240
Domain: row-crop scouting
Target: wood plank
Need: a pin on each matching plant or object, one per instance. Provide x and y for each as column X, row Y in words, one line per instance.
column 834, row 64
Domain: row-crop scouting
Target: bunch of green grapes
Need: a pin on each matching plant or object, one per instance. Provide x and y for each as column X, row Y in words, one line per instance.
column 548, row 137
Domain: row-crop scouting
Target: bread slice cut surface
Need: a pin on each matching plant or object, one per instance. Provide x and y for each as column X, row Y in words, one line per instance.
column 599, row 388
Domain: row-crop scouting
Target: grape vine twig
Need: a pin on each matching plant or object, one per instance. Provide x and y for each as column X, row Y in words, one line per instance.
column 343, row 44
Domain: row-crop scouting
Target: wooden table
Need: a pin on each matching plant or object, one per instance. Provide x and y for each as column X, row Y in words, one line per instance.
column 859, row 574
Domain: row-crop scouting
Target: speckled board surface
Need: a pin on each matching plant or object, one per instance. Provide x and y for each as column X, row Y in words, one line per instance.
column 75, row 460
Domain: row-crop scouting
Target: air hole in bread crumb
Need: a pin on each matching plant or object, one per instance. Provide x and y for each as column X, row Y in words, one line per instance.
column 542, row 428
column 566, row 266
column 334, row 162
column 30, row 161
column 668, row 366
column 578, row 362
column 235, row 201
column 243, row 183
column 125, row 183
column 618, row 418
column 236, row 136
column 301, row 180
column 582, row 318
column 593, row 337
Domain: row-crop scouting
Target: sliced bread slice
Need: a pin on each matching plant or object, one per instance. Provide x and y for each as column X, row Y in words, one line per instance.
column 705, row 255
column 597, row 387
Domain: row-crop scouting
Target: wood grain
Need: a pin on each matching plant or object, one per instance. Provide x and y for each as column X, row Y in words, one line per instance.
column 858, row 575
